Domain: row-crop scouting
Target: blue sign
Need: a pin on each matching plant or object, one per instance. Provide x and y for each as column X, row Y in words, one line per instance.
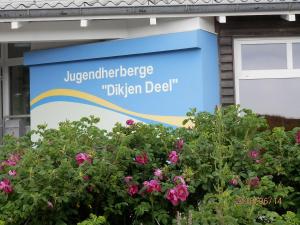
column 151, row 79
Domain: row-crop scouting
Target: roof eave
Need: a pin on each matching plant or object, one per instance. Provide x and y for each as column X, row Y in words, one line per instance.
column 141, row 11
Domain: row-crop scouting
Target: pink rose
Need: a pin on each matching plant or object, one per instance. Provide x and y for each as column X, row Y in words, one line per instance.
column 158, row 173
column 182, row 192
column 12, row 173
column 298, row 137
column 254, row 182
column 10, row 162
column 129, row 122
column 152, row 186
column 179, row 144
column 132, row 189
column 233, row 182
column 253, row 154
column 179, row 180
column 83, row 157
column 172, row 196
column 173, row 157
column 5, row 186
column 128, row 179
column 142, row 159
column 15, row 157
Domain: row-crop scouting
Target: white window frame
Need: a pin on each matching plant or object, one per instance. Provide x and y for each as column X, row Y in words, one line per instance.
column 241, row 74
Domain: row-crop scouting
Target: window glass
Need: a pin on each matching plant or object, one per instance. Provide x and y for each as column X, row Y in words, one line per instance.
column 16, row 50
column 296, row 55
column 264, row 56
column 19, row 90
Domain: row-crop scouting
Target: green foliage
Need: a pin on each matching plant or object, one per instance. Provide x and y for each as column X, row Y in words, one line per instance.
column 224, row 141
column 93, row 220
column 238, row 172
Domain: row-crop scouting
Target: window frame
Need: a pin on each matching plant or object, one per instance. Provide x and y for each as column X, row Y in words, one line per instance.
column 290, row 72
column 240, row 74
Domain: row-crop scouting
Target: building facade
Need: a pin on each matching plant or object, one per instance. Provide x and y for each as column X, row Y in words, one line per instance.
column 258, row 51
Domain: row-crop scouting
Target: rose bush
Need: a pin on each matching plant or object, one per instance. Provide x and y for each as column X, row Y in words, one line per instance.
column 226, row 169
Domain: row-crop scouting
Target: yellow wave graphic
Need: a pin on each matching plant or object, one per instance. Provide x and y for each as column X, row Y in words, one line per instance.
column 172, row 120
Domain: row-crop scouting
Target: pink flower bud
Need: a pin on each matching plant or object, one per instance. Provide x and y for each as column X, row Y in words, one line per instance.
column 173, row 157
column 5, row 186
column 254, row 182
column 12, row 173
column 233, row 182
column 158, row 173
column 179, row 144
column 132, row 189
column 142, row 159
column 83, row 157
column 129, row 122
column 253, row 154
column 128, row 179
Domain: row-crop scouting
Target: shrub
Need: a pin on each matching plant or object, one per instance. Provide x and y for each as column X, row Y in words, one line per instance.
column 229, row 168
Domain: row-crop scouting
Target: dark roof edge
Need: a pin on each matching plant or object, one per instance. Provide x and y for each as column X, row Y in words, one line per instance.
column 212, row 10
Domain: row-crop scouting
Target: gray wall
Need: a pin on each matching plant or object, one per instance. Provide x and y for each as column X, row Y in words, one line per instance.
column 271, row 96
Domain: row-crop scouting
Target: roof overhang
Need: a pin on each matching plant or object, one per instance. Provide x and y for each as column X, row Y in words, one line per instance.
column 148, row 11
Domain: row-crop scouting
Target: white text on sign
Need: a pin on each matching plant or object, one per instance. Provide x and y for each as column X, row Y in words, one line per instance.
column 150, row 87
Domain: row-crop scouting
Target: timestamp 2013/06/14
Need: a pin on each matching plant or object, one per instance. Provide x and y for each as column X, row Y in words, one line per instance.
column 258, row 200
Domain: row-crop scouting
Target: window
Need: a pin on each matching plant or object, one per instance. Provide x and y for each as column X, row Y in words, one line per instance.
column 14, row 90
column 264, row 56
column 267, row 58
column 19, row 90
column 267, row 75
